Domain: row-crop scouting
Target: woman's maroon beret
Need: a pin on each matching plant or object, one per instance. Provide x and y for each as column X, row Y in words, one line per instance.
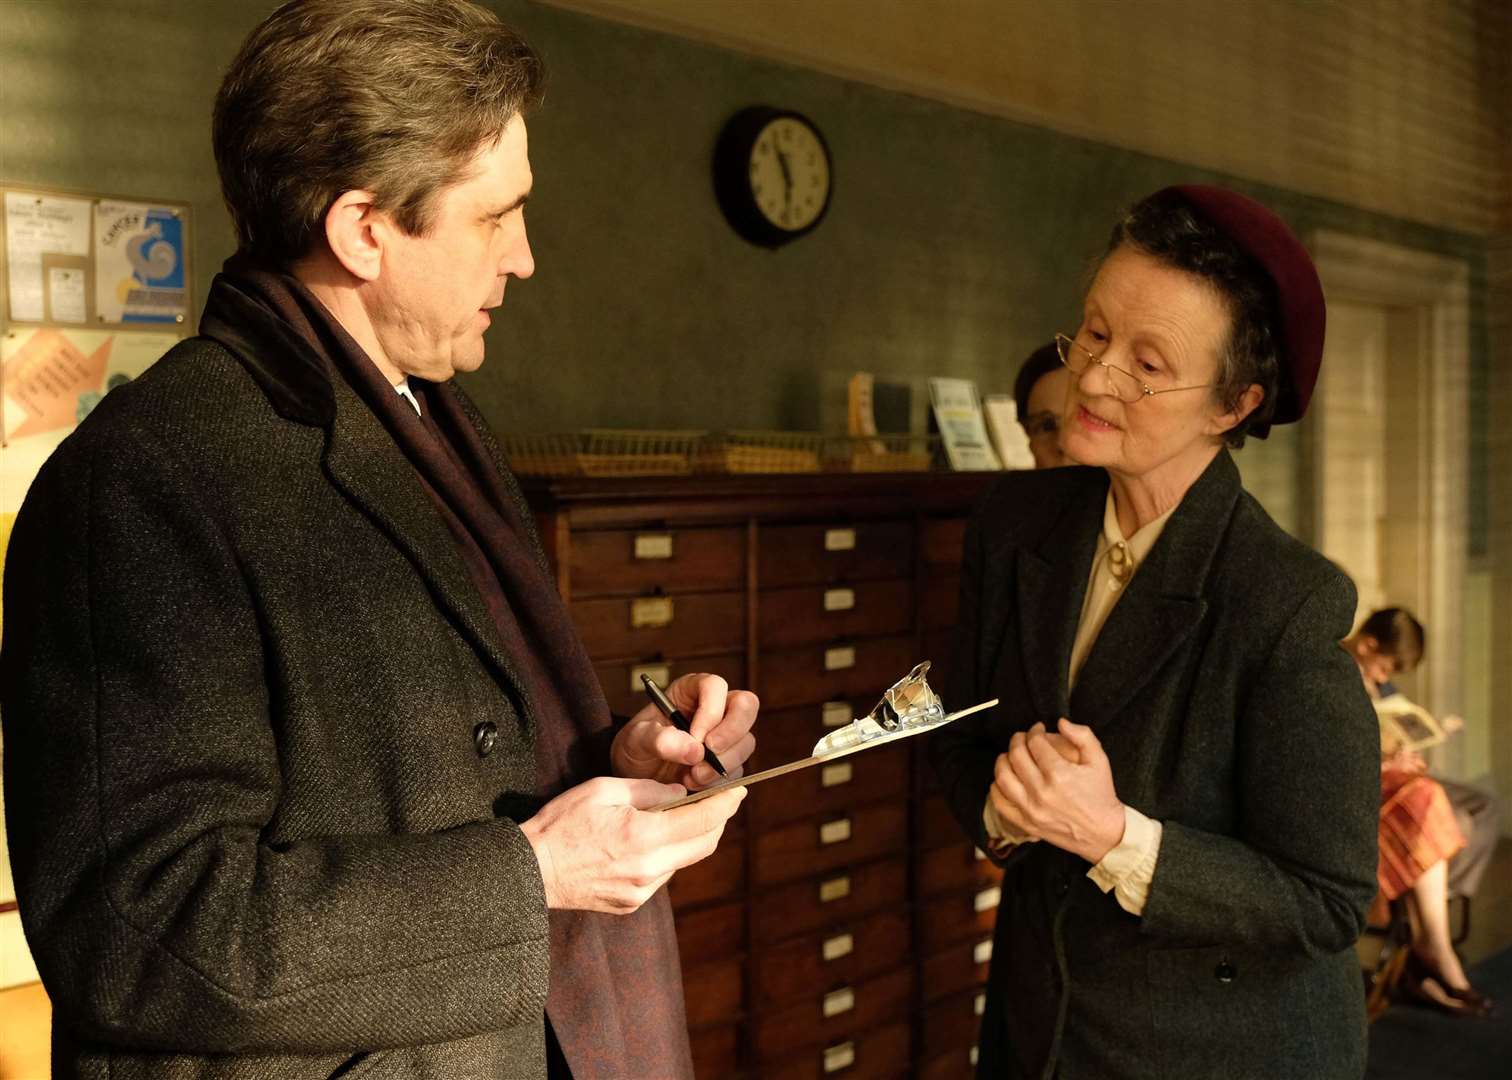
column 1299, row 294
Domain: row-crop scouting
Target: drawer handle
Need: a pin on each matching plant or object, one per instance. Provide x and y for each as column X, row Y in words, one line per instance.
column 660, row 674
column 836, row 947
column 839, row 1057
column 839, row 599
column 835, row 832
column 839, row 539
column 650, row 612
column 983, row 952
column 839, row 658
column 838, row 1001
column 837, row 888
column 653, row 545
column 835, row 713
column 973, row 1056
column 979, row 1005
column 835, row 775
column 987, row 899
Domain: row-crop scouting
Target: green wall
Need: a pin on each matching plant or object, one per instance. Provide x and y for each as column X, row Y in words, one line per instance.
column 955, row 244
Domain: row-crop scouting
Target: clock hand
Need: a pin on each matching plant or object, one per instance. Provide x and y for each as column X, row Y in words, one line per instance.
column 787, row 176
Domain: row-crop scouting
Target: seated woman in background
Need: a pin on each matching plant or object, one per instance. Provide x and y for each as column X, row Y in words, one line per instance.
column 1417, row 833
column 1187, row 866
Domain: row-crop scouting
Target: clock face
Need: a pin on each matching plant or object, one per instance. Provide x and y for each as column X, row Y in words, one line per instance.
column 789, row 174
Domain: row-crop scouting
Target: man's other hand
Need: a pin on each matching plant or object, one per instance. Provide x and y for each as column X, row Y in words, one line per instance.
column 600, row 849
column 650, row 748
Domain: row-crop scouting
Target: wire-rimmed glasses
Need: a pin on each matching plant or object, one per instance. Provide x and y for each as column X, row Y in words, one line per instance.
column 1126, row 386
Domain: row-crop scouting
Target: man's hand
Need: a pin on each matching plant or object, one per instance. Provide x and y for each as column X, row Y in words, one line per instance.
column 650, row 748
column 601, row 850
column 1059, row 788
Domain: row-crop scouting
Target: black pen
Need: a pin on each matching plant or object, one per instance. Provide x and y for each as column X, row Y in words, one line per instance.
column 679, row 721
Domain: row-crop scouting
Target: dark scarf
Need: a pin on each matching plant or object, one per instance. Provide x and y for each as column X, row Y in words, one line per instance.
column 615, row 999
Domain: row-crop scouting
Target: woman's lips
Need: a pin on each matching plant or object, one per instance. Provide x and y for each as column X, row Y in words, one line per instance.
column 1092, row 423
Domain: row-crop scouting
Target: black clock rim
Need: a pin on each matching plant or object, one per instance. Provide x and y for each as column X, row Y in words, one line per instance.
column 731, row 167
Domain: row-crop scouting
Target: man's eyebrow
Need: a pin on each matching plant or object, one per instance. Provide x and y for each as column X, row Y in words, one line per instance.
column 502, row 210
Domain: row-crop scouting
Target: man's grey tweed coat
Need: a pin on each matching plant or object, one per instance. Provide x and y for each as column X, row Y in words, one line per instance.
column 1230, row 714
column 243, row 666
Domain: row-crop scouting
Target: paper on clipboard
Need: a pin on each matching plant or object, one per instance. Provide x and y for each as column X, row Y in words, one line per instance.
column 908, row 708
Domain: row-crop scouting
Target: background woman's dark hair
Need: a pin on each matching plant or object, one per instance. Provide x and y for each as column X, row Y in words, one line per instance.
column 1165, row 228
column 395, row 97
column 1398, row 635
column 1041, row 361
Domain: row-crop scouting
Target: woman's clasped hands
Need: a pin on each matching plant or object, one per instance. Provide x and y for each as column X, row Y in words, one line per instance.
column 1058, row 787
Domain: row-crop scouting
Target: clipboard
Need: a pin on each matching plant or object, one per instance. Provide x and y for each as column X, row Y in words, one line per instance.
column 822, row 754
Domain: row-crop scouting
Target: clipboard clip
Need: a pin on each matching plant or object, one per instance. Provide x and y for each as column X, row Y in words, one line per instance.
column 910, row 704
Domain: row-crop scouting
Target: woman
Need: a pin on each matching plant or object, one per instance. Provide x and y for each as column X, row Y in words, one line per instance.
column 1188, row 864
column 1039, row 391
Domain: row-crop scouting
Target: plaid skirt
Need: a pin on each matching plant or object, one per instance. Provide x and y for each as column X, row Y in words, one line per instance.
column 1416, row 829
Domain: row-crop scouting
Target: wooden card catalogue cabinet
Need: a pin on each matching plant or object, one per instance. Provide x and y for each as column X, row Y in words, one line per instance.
column 843, row 927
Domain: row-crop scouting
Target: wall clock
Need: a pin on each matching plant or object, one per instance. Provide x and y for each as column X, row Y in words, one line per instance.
column 772, row 175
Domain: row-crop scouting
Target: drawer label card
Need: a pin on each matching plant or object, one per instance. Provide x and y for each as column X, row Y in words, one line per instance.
column 835, row 713
column 987, row 899
column 839, row 657
column 839, row 539
column 836, row 947
column 834, row 832
column 836, row 888
column 661, row 674
column 839, row 1057
column 835, row 775
column 973, row 1056
column 839, row 1001
column 650, row 612
column 979, row 854
column 839, row 599
column 653, row 545
column 983, row 952
column 979, row 1005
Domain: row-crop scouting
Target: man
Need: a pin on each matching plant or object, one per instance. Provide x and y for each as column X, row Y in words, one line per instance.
column 295, row 723
column 1039, row 390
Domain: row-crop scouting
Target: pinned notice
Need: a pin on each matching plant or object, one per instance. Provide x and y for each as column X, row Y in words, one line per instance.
column 38, row 226
column 139, row 263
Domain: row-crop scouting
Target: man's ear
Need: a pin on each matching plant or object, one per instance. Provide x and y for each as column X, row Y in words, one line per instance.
column 1249, row 401
column 355, row 234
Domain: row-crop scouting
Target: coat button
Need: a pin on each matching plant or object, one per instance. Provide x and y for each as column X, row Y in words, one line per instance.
column 1224, row 972
column 485, row 735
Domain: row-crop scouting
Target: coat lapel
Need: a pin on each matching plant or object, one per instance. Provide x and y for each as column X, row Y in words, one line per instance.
column 361, row 458
column 1164, row 603
column 1052, row 583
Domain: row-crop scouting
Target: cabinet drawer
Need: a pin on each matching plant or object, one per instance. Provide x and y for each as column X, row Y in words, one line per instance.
column 942, row 542
column 940, row 602
column 666, row 625
column 829, row 1016
column 626, row 695
column 784, row 735
column 953, row 868
column 816, row 845
column 951, row 1025
column 621, row 561
column 853, row 551
column 956, row 969
column 716, row 1051
column 831, row 958
column 879, row 1054
column 788, row 617
column 713, row 992
column 720, row 876
column 954, row 1065
column 861, row 669
column 866, row 777
column 934, row 824
column 841, row 896
column 946, row 920
column 709, row 932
